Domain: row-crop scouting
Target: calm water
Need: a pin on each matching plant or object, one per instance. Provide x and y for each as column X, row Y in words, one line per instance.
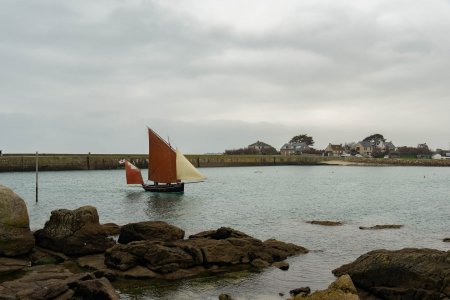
column 265, row 202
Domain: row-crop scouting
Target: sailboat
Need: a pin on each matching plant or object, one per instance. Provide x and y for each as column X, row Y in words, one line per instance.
column 167, row 168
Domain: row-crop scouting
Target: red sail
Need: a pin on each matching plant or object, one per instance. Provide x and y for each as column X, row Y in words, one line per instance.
column 133, row 173
column 161, row 160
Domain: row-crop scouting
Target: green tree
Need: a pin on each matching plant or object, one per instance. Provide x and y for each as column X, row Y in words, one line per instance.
column 375, row 139
column 302, row 138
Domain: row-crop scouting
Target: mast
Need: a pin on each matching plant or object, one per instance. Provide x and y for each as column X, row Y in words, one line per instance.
column 161, row 159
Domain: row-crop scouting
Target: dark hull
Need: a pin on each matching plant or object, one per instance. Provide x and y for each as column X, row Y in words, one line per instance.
column 164, row 188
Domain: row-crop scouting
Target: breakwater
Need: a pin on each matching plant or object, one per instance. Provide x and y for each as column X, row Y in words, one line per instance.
column 59, row 162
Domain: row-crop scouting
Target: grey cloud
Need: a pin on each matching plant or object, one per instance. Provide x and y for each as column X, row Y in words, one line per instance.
column 108, row 68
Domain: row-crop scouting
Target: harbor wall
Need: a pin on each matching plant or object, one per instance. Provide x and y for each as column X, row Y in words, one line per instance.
column 59, row 162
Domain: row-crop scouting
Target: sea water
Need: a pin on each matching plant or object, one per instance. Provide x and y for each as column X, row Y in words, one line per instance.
column 264, row 202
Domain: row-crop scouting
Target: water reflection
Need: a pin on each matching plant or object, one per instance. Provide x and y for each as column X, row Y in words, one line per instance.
column 163, row 206
column 207, row 287
column 133, row 195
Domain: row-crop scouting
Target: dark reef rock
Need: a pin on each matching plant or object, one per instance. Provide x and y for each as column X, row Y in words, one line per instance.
column 10, row 265
column 402, row 274
column 376, row 227
column 16, row 237
column 151, row 230
column 110, row 229
column 282, row 265
column 56, row 282
column 325, row 223
column 214, row 250
column 446, row 240
column 41, row 256
column 219, row 234
column 224, row 296
column 303, row 290
column 281, row 250
column 74, row 232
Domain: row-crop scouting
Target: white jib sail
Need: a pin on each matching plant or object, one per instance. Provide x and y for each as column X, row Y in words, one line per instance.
column 185, row 170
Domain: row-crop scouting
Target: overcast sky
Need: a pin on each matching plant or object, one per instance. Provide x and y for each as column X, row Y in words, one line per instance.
column 80, row 76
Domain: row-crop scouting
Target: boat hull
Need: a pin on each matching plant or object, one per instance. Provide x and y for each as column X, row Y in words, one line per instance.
column 164, row 188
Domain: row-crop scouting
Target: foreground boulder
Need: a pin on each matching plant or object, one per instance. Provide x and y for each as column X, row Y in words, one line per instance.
column 342, row 289
column 56, row 282
column 402, row 274
column 215, row 250
column 74, row 232
column 15, row 235
column 11, row 265
column 151, row 230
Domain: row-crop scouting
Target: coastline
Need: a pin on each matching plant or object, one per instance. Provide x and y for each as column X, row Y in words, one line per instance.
column 66, row 162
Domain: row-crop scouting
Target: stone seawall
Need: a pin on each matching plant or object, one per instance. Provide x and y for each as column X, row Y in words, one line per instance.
column 59, row 162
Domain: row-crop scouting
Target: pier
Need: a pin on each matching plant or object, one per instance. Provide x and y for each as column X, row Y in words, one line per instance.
column 63, row 162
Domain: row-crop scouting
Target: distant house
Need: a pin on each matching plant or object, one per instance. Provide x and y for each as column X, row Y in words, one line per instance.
column 364, row 148
column 367, row 148
column 294, row 148
column 262, row 148
column 389, row 146
column 334, row 150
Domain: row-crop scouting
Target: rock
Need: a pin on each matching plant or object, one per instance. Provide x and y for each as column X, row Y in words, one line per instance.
column 446, row 240
column 94, row 289
column 16, row 237
column 282, row 265
column 139, row 272
column 345, row 284
column 56, row 282
column 10, row 265
column 280, row 250
column 151, row 230
column 231, row 251
column 388, row 226
column 157, row 256
column 92, row 262
column 212, row 251
column 304, row 291
column 219, row 234
column 42, row 282
column 110, row 228
column 74, row 232
column 325, row 223
column 259, row 263
column 341, row 289
column 41, row 256
column 402, row 274
column 224, row 296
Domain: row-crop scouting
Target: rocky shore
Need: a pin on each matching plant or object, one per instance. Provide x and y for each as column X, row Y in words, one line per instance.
column 76, row 257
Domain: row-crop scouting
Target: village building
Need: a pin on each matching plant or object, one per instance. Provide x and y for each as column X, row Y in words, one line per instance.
column 334, row 150
column 364, row 148
column 262, row 148
column 294, row 148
